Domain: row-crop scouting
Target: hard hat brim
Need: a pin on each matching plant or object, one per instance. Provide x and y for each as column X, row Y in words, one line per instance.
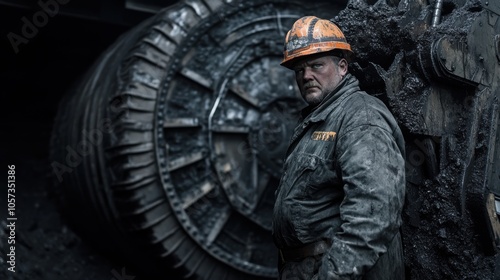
column 316, row 48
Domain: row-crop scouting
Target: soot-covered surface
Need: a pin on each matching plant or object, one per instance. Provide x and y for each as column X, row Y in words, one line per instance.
column 441, row 239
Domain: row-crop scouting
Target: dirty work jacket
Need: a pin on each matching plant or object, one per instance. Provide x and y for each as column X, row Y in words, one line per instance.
column 343, row 180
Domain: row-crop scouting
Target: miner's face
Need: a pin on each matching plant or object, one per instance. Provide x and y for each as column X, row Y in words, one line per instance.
column 318, row 75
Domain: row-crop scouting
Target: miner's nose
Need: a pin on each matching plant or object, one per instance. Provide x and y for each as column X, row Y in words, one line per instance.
column 307, row 74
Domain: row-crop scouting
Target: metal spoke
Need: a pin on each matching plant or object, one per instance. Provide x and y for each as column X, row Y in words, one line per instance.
column 185, row 160
column 197, row 78
column 201, row 191
column 181, row 122
column 241, row 93
column 218, row 225
column 230, row 129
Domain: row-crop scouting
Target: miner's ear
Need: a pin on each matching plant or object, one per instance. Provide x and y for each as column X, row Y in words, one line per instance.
column 342, row 66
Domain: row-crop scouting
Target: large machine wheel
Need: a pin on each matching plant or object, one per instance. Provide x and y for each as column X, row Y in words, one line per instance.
column 170, row 150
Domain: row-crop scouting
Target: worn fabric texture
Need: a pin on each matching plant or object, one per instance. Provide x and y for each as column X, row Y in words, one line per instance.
column 344, row 180
column 388, row 267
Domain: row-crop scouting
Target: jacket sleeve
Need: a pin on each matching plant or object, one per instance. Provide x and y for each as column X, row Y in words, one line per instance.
column 372, row 170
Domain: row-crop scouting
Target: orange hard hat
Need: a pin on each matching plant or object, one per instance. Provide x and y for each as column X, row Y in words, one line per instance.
column 311, row 35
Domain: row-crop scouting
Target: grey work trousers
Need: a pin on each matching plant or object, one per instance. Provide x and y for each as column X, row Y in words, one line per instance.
column 390, row 266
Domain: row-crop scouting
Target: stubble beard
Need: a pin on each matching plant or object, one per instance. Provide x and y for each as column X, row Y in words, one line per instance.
column 313, row 98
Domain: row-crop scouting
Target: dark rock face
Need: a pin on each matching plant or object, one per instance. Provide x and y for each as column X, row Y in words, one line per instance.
column 448, row 126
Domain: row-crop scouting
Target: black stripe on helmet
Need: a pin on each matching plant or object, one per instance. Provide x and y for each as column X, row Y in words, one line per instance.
column 310, row 31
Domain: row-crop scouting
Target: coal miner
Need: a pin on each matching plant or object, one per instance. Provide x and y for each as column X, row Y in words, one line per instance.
column 338, row 206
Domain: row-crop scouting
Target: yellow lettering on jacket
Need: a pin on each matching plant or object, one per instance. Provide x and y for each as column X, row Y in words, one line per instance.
column 323, row 135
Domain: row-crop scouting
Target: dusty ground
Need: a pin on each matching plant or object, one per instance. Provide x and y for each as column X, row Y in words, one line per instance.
column 45, row 248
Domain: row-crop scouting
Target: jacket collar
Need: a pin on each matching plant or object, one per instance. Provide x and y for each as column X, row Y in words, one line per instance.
column 319, row 112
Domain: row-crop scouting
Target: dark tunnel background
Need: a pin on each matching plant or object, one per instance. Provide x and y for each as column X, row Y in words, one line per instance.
column 33, row 79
